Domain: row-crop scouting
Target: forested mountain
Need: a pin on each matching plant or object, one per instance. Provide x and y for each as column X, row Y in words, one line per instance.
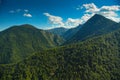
column 59, row 39
column 97, row 25
column 69, row 33
column 59, row 31
column 97, row 58
column 18, row 42
column 65, row 33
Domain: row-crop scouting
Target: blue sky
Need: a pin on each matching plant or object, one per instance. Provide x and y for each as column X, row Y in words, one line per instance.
column 55, row 13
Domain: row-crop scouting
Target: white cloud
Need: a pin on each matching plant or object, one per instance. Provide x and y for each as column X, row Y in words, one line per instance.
column 72, row 22
column 85, row 17
column 110, row 8
column 25, row 12
column 108, row 14
column 27, row 15
column 55, row 20
column 92, row 8
column 107, row 11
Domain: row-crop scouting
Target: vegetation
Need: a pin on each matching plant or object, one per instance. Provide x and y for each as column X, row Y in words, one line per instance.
column 95, row 26
column 65, row 33
column 71, row 32
column 59, row 31
column 94, row 59
column 25, row 53
column 18, row 42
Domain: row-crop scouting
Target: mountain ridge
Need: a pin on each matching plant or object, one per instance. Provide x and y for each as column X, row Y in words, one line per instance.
column 58, row 31
column 94, row 59
column 17, row 41
column 97, row 25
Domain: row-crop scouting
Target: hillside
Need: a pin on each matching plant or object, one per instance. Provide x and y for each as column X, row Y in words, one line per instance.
column 18, row 42
column 95, row 26
column 71, row 32
column 97, row 58
column 65, row 33
column 59, row 31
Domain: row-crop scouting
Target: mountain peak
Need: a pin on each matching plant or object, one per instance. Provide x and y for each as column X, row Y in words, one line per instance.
column 97, row 25
column 24, row 26
column 98, row 17
column 23, row 40
column 27, row 26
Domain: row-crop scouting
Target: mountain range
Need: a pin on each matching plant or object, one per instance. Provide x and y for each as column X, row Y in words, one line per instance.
column 18, row 42
column 64, row 32
column 59, row 31
column 88, row 52
column 95, row 26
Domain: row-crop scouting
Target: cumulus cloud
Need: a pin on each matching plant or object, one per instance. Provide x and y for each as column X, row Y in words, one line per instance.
column 107, row 11
column 110, row 12
column 110, row 8
column 55, row 20
column 72, row 22
column 92, row 8
column 24, row 11
column 27, row 15
column 85, row 17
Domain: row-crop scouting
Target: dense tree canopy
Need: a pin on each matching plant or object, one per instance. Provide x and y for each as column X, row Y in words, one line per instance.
column 18, row 42
column 97, row 58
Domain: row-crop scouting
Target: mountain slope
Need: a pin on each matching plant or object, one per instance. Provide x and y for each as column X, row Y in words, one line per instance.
column 69, row 33
column 19, row 42
column 95, row 26
column 94, row 59
column 65, row 33
column 59, row 31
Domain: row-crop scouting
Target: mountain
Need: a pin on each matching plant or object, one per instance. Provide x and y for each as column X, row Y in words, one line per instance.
column 97, row 58
column 65, row 33
column 69, row 33
column 59, row 31
column 18, row 42
column 97, row 25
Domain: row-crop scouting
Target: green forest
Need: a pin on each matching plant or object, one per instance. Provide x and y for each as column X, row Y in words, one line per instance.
column 94, row 59
column 27, row 53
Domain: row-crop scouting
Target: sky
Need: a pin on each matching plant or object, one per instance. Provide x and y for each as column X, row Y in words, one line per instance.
column 46, row 14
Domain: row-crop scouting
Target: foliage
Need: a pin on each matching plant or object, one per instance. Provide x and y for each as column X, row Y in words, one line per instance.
column 95, row 26
column 59, row 31
column 97, row 58
column 18, row 42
